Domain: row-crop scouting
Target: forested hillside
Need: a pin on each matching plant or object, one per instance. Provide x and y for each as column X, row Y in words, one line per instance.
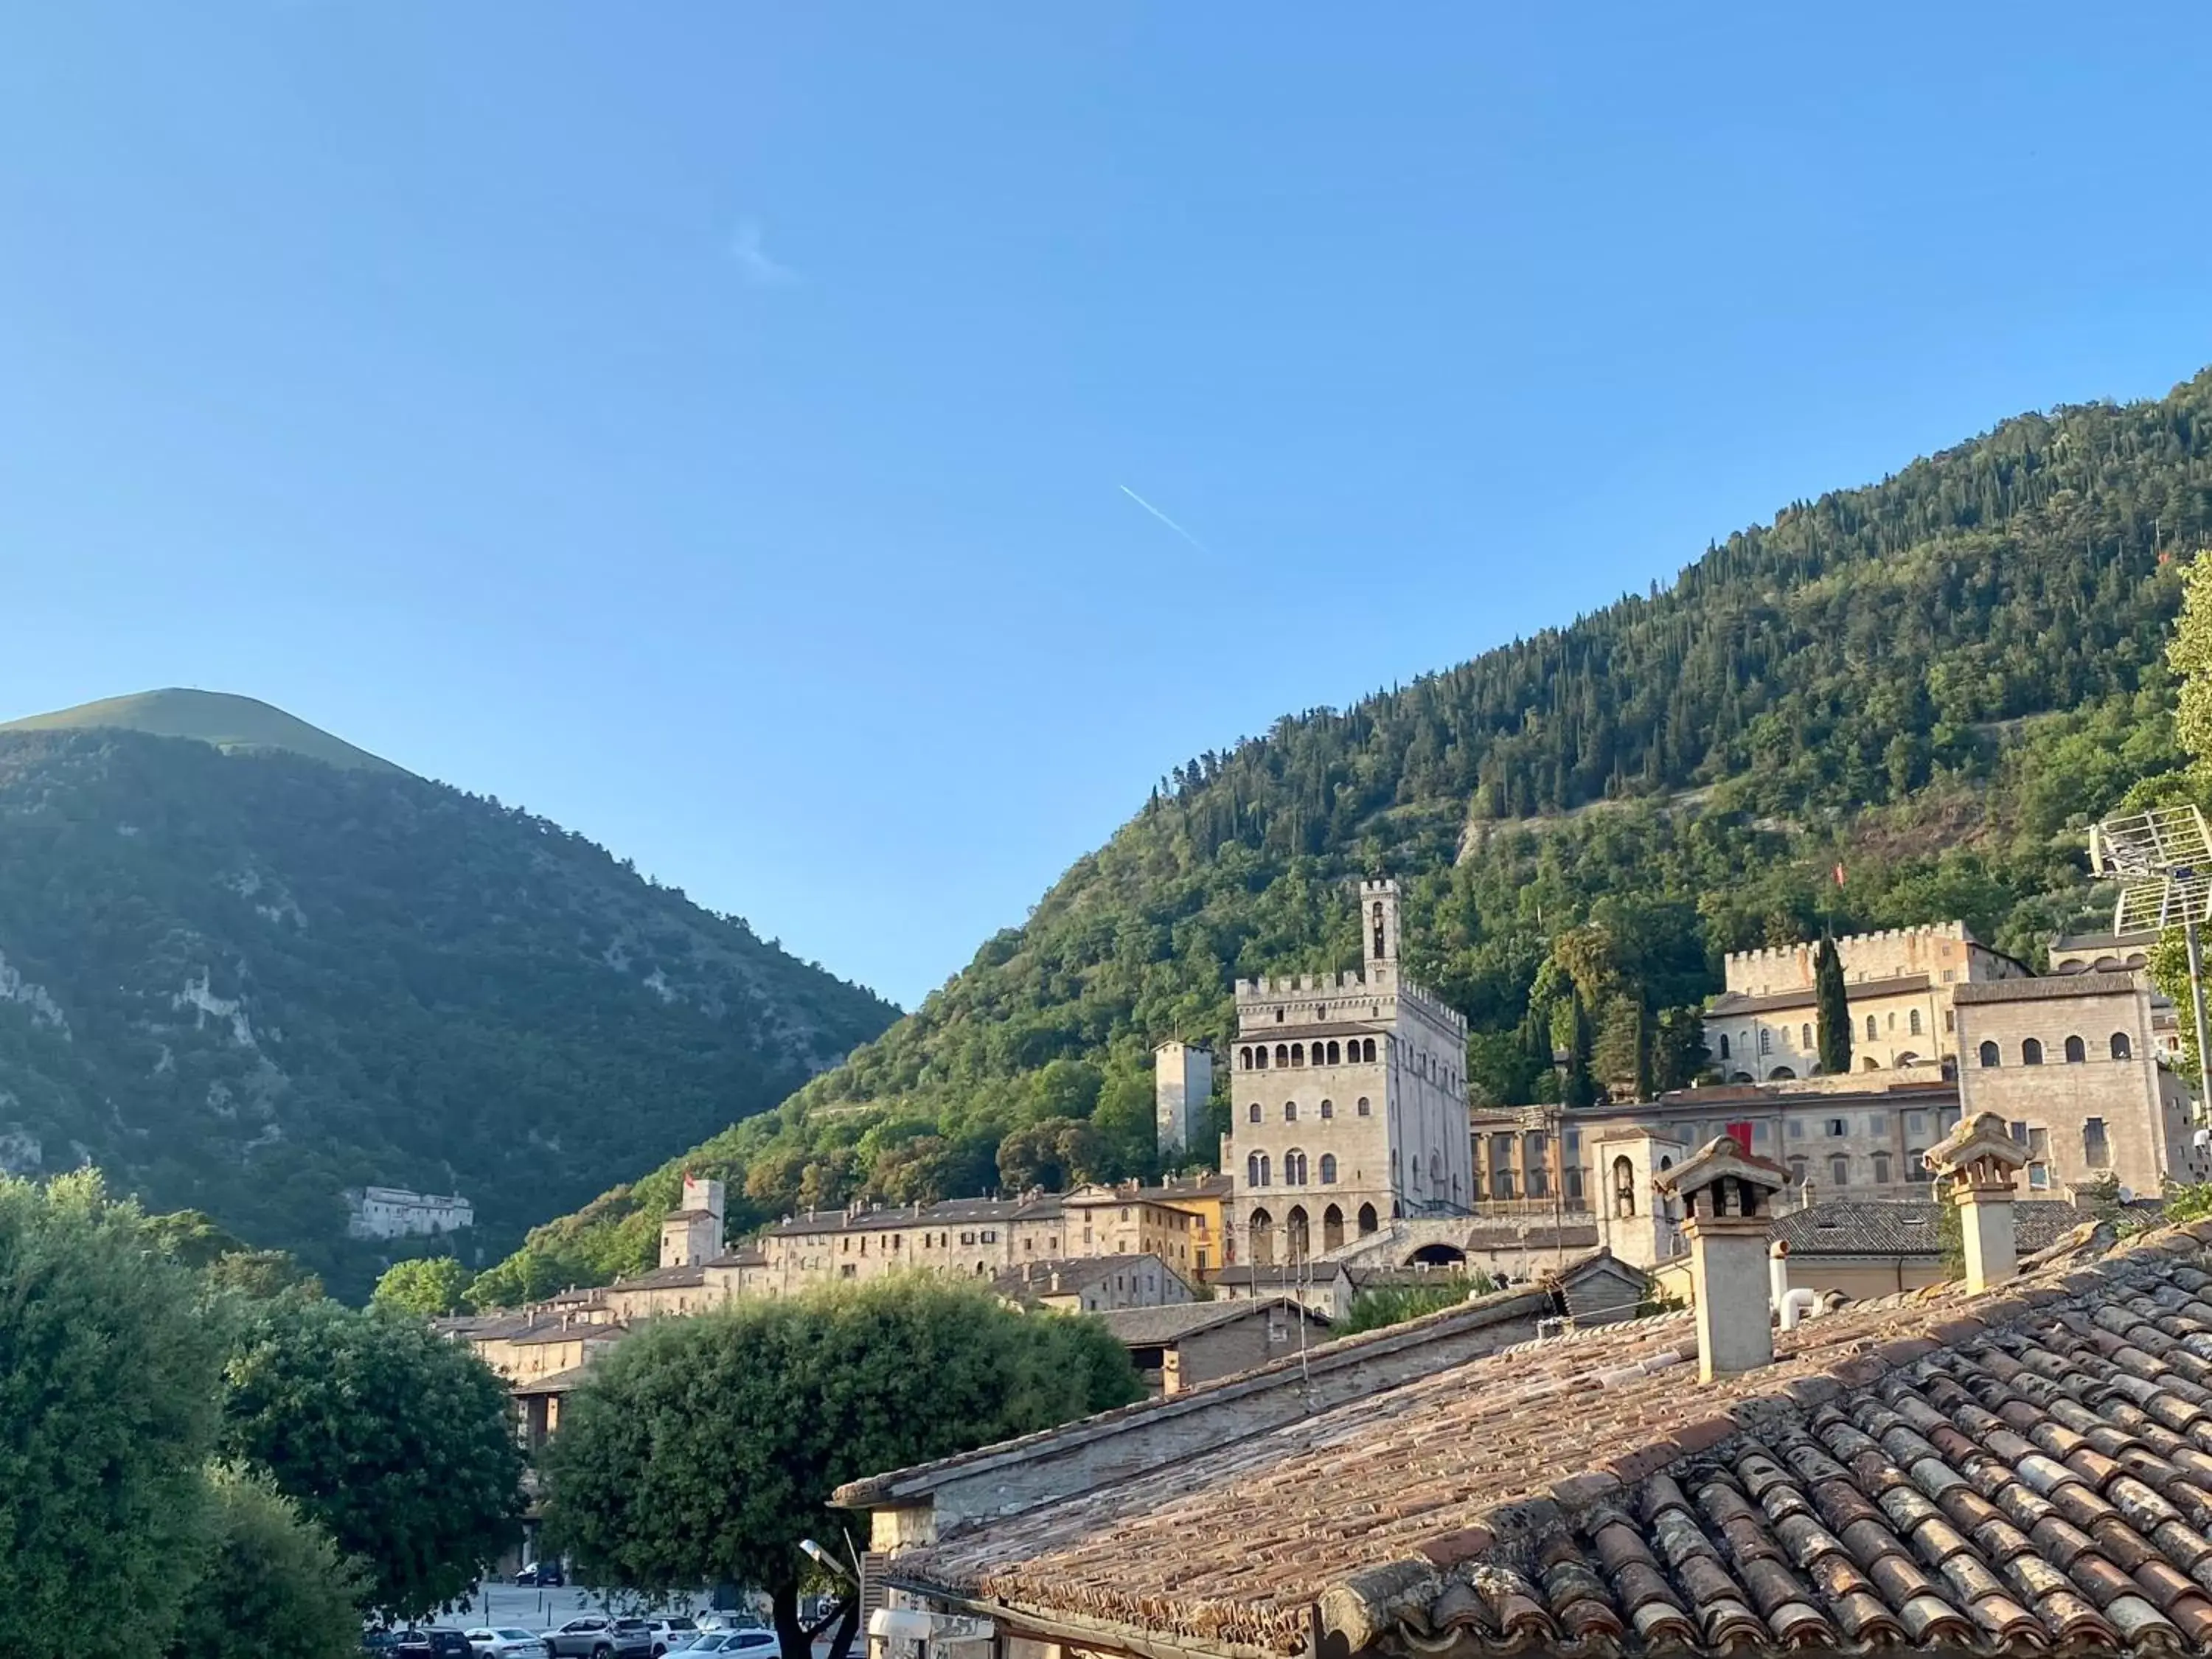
column 245, row 982
column 1935, row 681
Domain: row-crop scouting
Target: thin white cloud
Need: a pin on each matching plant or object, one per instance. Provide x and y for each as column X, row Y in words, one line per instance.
column 1165, row 520
column 752, row 259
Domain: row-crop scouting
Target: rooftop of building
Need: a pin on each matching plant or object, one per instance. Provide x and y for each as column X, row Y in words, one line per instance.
column 554, row 1383
column 951, row 1211
column 1912, row 1091
column 2015, row 1471
column 1069, row 1275
column 2105, row 941
column 692, row 1215
column 1149, row 1328
column 1909, row 1226
column 690, row 1275
column 1805, row 996
column 2049, row 987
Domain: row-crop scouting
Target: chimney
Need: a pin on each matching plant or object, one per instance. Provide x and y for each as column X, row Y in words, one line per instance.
column 1726, row 1196
column 1978, row 1159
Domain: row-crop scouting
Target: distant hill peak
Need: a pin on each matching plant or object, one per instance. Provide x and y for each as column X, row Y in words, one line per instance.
column 229, row 722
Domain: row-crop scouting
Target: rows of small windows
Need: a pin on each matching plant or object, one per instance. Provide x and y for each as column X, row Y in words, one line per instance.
column 1253, row 1056
column 1256, row 1113
column 2076, row 1051
column 1913, row 1028
column 1259, row 1169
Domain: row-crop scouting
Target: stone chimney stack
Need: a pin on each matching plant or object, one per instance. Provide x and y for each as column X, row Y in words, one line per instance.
column 1727, row 1197
column 1978, row 1159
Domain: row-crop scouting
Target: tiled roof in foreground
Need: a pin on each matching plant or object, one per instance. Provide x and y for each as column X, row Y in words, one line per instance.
column 2025, row 1470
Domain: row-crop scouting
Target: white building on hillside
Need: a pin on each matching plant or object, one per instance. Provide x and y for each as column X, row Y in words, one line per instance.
column 395, row 1213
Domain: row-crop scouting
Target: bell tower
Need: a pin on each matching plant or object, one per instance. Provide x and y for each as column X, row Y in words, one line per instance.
column 1378, row 930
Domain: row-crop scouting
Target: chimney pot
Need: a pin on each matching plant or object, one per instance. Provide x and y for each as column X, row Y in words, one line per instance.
column 1726, row 1196
column 1979, row 1160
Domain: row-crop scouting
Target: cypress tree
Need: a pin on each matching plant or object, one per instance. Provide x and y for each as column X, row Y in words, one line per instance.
column 1833, row 1003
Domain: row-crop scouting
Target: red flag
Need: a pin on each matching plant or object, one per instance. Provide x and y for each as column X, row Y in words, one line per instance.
column 1741, row 1133
column 1839, row 875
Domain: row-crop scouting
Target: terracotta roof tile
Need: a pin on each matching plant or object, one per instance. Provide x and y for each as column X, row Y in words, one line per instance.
column 1997, row 1473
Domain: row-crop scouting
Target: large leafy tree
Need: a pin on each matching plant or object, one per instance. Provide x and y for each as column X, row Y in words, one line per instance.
column 273, row 1582
column 396, row 1442
column 702, row 1450
column 108, row 1391
column 423, row 1285
column 1831, row 1008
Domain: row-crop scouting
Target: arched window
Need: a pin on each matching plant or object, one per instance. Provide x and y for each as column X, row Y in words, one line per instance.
column 1259, row 1056
column 1327, row 1110
column 1988, row 1054
column 1255, row 1111
column 1298, row 1053
column 1294, row 1168
column 1295, row 1235
column 1324, row 1056
column 1255, row 1169
column 1872, row 1065
column 1913, row 1022
column 1804, row 1037
column 1361, row 1109
column 1332, row 1228
column 1839, row 1170
column 1290, row 1111
column 1765, row 1040
column 2030, row 1052
column 1871, row 1028
column 2076, row 1051
column 1724, row 1047
column 1244, row 1056
column 1376, row 923
column 1368, row 1222
column 1329, row 1169
column 2122, row 1049
column 1624, row 1188
column 1261, row 1229
column 1282, row 1053
column 1367, row 1048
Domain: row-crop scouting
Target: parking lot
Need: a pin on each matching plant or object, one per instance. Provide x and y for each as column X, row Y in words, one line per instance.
column 519, row 1607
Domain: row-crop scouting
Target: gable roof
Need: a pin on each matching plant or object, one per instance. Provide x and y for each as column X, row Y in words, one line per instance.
column 2055, row 986
column 1077, row 1273
column 2003, row 1472
column 1148, row 1327
column 1908, row 1227
column 1804, row 996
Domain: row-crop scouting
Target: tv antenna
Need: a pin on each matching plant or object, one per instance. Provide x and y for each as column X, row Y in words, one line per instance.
column 2163, row 861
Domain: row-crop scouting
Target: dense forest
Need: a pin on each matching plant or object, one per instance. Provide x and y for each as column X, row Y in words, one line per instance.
column 246, row 983
column 1935, row 682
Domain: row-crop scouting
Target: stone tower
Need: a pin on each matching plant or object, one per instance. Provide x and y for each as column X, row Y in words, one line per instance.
column 1182, row 1084
column 1347, row 1103
column 693, row 1233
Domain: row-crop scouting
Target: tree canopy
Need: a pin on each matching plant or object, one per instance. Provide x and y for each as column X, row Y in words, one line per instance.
column 107, row 1413
column 702, row 1450
column 272, row 1582
column 425, row 1286
column 396, row 1441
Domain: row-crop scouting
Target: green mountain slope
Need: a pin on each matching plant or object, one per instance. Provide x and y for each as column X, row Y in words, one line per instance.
column 233, row 724
column 246, row 981
column 1934, row 681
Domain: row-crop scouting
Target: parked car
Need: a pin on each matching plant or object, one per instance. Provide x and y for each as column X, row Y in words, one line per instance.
column 595, row 1636
column 381, row 1643
column 431, row 1643
column 543, row 1575
column 668, row 1633
column 491, row 1644
column 754, row 1643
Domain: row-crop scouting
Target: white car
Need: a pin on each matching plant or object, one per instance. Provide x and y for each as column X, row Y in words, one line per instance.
column 670, row 1634
column 491, row 1644
column 753, row 1643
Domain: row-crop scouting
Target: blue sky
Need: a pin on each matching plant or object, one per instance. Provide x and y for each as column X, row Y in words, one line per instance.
column 708, row 424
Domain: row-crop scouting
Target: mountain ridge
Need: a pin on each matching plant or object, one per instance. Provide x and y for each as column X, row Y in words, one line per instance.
column 224, row 719
column 1937, row 678
column 247, row 981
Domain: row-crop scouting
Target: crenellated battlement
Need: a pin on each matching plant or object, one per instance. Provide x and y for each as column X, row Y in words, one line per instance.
column 1946, row 930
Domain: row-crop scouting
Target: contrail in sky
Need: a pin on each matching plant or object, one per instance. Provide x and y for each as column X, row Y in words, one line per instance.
column 1165, row 520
